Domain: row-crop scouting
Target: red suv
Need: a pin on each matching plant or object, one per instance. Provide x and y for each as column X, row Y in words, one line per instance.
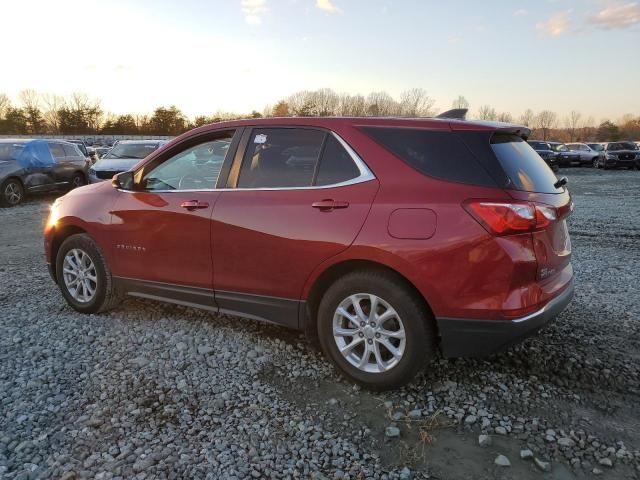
column 386, row 239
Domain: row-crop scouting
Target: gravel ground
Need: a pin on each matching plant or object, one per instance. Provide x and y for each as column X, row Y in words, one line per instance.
column 157, row 391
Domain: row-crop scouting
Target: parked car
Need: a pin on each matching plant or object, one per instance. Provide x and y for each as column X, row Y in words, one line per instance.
column 588, row 156
column 122, row 157
column 598, row 147
column 32, row 166
column 101, row 152
column 546, row 153
column 620, row 155
column 81, row 146
column 383, row 238
column 564, row 156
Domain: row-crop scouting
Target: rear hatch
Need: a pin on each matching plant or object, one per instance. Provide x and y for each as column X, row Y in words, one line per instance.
column 529, row 179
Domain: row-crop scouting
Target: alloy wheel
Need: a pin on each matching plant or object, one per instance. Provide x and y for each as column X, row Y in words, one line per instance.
column 12, row 193
column 80, row 275
column 369, row 333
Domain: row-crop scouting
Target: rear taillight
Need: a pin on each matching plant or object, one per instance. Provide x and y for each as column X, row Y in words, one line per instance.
column 510, row 218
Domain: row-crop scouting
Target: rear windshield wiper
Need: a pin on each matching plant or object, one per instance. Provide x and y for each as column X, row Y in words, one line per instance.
column 561, row 183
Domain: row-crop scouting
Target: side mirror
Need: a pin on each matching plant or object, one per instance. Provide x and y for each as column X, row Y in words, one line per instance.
column 123, row 181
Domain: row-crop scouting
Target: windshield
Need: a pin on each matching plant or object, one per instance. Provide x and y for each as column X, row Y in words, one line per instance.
column 596, row 146
column 527, row 171
column 131, row 150
column 10, row 151
column 622, row 146
column 539, row 145
column 559, row 147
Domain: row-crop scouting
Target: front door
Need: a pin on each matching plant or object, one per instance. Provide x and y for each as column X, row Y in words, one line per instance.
column 161, row 234
column 300, row 197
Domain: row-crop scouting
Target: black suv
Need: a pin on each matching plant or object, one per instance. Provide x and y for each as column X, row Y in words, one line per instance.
column 621, row 155
column 544, row 150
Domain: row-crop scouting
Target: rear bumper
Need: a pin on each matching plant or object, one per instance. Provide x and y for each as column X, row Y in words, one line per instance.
column 474, row 338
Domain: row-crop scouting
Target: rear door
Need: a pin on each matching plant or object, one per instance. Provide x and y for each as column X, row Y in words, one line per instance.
column 295, row 197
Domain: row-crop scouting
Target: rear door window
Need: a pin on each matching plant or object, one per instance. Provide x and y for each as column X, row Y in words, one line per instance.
column 57, row 151
column 440, row 154
column 281, row 158
column 524, row 167
column 71, row 151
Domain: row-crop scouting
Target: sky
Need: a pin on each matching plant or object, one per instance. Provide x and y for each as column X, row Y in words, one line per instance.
column 206, row 56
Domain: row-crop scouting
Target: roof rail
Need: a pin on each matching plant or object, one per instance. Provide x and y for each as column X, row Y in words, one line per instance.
column 455, row 113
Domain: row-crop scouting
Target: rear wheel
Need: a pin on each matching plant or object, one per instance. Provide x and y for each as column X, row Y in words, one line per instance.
column 11, row 193
column 596, row 163
column 376, row 330
column 84, row 276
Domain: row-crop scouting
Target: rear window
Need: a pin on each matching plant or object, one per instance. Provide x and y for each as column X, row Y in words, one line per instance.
column 524, row 167
column 440, row 154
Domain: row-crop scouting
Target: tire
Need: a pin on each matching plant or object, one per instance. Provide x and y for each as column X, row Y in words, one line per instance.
column 11, row 193
column 595, row 163
column 105, row 296
column 420, row 333
column 78, row 180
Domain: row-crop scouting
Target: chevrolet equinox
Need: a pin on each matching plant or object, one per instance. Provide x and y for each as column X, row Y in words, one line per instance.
column 385, row 239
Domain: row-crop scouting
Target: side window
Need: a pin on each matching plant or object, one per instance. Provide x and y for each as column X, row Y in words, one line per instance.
column 280, row 158
column 336, row 165
column 196, row 168
column 57, row 151
column 71, row 151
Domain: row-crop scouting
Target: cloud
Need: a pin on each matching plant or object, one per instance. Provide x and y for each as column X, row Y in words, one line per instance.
column 520, row 13
column 556, row 25
column 617, row 16
column 254, row 10
column 327, row 6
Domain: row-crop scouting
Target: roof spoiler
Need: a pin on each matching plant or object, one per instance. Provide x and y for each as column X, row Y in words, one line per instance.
column 455, row 113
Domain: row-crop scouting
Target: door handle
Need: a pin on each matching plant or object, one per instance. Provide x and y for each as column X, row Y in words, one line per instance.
column 192, row 205
column 329, row 204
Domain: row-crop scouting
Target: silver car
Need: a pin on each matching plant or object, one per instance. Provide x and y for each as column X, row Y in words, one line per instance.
column 122, row 157
column 588, row 156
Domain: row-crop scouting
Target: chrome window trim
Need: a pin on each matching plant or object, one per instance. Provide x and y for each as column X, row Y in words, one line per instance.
column 366, row 175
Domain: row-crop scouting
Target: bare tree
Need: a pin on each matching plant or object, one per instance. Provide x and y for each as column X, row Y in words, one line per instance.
column 5, row 104
column 51, row 107
column 416, row 103
column 487, row 112
column 545, row 121
column 460, row 102
column 527, row 118
column 381, row 104
column 505, row 117
column 352, row 105
column 572, row 122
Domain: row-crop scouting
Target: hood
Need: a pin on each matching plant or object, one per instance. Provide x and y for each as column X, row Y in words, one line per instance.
column 115, row 164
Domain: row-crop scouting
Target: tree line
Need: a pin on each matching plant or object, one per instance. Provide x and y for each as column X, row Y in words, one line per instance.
column 36, row 113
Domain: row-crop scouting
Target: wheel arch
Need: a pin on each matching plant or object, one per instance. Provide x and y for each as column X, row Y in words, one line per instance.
column 337, row 270
column 60, row 236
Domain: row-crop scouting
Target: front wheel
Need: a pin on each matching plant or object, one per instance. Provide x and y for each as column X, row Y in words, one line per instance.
column 83, row 275
column 11, row 193
column 376, row 330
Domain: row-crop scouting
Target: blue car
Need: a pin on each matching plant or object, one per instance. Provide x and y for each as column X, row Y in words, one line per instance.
column 32, row 166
